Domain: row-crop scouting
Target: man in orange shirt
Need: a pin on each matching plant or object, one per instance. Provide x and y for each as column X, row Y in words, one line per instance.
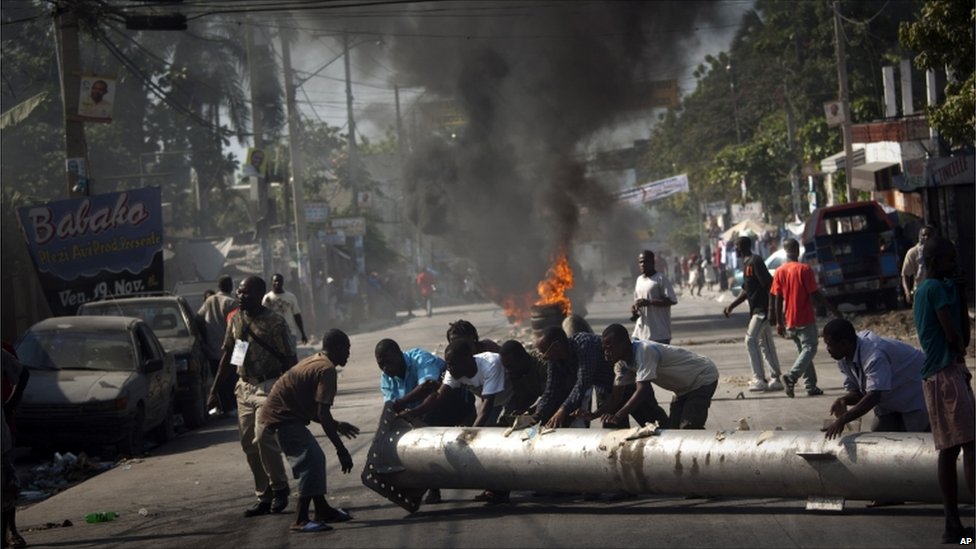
column 795, row 289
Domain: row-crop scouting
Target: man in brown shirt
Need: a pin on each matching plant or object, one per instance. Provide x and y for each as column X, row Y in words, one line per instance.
column 258, row 344
column 302, row 395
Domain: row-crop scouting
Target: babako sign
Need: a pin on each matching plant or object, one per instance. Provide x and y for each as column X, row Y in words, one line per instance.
column 96, row 247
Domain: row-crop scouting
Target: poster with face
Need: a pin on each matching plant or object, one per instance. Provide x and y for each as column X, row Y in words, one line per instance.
column 96, row 98
column 256, row 165
column 834, row 112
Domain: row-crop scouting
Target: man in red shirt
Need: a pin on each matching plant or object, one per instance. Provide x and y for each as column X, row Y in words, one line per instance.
column 795, row 289
column 425, row 283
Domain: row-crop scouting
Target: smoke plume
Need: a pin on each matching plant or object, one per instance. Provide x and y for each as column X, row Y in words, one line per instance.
column 531, row 84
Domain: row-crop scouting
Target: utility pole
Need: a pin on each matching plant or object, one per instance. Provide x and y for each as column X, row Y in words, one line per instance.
column 297, row 169
column 791, row 141
column 353, row 158
column 257, row 125
column 845, row 100
column 75, row 146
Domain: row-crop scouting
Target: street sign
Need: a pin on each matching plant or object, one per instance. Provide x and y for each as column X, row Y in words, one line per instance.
column 316, row 212
column 352, row 226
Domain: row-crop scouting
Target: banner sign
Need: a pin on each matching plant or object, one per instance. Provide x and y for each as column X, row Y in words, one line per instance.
column 654, row 190
column 749, row 210
column 96, row 247
column 316, row 212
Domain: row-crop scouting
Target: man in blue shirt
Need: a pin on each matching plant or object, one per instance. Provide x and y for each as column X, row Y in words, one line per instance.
column 879, row 373
column 408, row 377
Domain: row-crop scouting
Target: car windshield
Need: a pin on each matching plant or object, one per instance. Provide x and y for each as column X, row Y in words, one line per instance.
column 163, row 317
column 77, row 350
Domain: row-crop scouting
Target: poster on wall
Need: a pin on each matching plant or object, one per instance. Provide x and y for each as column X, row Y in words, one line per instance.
column 96, row 247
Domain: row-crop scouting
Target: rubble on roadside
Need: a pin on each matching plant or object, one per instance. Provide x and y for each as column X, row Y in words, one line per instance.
column 60, row 473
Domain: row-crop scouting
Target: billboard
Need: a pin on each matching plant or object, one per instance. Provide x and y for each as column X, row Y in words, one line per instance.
column 96, row 247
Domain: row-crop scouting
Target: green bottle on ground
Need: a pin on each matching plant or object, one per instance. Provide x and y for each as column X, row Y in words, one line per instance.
column 101, row 517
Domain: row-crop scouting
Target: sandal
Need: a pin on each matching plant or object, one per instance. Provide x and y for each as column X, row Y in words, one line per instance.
column 310, row 526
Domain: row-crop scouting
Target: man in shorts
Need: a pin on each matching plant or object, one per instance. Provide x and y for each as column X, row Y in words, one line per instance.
column 303, row 394
column 942, row 323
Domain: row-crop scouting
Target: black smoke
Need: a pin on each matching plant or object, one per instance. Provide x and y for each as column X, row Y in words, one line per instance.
column 532, row 83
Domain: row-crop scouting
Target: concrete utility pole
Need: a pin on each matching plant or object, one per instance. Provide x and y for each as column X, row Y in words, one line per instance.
column 352, row 160
column 844, row 99
column 404, row 462
column 257, row 125
column 75, row 146
column 297, row 170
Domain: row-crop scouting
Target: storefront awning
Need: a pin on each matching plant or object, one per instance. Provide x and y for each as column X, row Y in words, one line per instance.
column 875, row 176
column 838, row 161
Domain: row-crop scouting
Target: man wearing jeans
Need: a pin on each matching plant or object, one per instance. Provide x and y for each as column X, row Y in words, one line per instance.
column 304, row 394
column 795, row 289
column 756, row 282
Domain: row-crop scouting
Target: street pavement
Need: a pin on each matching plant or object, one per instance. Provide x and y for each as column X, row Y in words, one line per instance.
column 192, row 491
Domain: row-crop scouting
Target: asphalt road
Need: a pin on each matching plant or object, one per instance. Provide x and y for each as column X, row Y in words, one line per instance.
column 192, row 491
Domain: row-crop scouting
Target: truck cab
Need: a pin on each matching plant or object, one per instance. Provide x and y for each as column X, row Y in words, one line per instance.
column 854, row 252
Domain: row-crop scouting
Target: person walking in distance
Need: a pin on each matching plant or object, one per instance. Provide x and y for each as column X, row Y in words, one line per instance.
column 214, row 311
column 285, row 304
column 912, row 267
column 653, row 299
column 756, row 282
column 795, row 289
column 257, row 343
column 942, row 323
column 426, row 287
column 301, row 395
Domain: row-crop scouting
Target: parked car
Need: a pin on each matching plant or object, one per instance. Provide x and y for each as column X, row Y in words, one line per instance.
column 95, row 380
column 181, row 332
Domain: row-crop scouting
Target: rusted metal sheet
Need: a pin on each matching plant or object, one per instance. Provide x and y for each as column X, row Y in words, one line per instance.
column 859, row 466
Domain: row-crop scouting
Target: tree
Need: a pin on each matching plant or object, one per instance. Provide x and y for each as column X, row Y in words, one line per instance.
column 943, row 37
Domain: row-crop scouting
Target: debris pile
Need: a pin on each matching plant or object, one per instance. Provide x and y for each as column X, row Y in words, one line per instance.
column 62, row 472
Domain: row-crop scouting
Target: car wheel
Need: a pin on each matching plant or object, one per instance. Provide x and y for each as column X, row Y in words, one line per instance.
column 195, row 414
column 166, row 431
column 135, row 440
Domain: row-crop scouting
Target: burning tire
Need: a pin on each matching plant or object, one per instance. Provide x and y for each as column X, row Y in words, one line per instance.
column 546, row 316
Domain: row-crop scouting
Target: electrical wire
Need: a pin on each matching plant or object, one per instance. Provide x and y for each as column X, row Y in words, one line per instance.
column 862, row 23
column 153, row 87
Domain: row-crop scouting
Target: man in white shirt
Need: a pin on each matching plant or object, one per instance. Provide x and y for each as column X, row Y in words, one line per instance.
column 653, row 298
column 285, row 304
column 214, row 311
column 912, row 267
column 691, row 377
column 483, row 375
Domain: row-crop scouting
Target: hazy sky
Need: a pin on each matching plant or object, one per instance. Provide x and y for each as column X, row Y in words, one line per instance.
column 373, row 70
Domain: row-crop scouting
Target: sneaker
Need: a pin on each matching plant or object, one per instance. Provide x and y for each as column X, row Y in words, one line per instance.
column 816, row 391
column 758, row 385
column 788, row 384
column 776, row 385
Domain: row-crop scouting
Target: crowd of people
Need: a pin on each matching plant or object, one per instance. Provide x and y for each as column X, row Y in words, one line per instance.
column 571, row 377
